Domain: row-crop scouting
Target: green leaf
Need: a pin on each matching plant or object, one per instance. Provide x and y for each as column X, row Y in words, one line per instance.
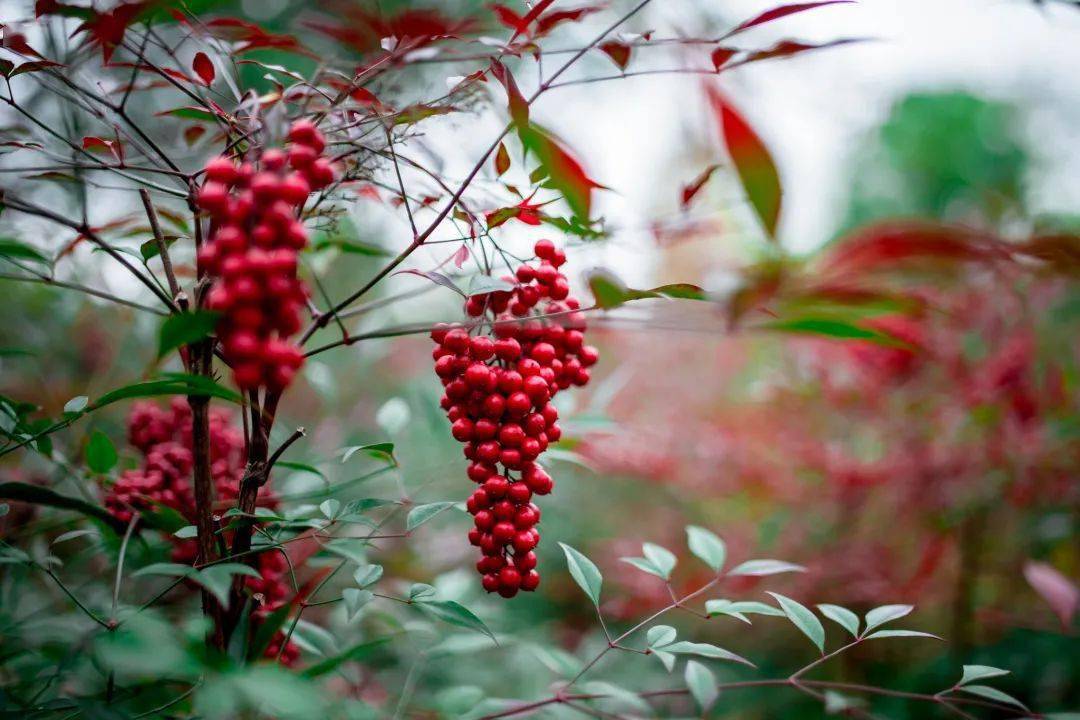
column 702, row 684
column 842, row 617
column 355, row 599
column 150, row 249
column 368, row 575
column 383, row 450
column 584, row 572
column 706, row 650
column 484, row 284
column 740, row 609
column 618, row 698
column 169, row 384
column 37, row 495
column 168, row 569
column 759, row 568
column 422, row 592
column 803, row 619
column 661, row 558
column 985, row 691
column 355, row 653
column 11, row 248
column 184, row 329
column 187, row 532
column 457, row 701
column 706, row 546
column 76, row 404
column 980, row 672
column 454, row 613
column 610, row 292
column 268, row 628
column 217, row 579
column 666, row 658
column 422, row 513
column 886, row 613
column 660, row 635
column 563, row 172
column 645, row 566
column 329, row 508
column 899, row 634
column 101, row 454
column 830, row 327
column 72, row 534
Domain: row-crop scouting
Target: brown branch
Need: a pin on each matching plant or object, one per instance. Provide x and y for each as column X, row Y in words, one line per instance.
column 159, row 237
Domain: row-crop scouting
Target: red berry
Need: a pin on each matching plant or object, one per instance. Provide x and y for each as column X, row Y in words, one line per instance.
column 530, row 581
column 519, row 493
column 544, row 249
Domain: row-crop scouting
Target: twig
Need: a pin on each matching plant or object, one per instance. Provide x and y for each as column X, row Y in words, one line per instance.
column 159, row 237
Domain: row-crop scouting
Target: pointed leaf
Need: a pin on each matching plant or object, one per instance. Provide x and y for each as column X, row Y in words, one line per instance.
column 702, row 684
column 661, row 558
column 584, row 572
column 368, row 575
column 804, row 619
column 886, row 613
column 422, row 513
column 782, row 11
column 184, row 329
column 985, row 691
column 456, row 614
column 980, row 672
column 900, row 634
column 204, row 68
column 752, row 161
column 842, row 617
column 100, row 453
column 645, row 566
column 759, row 568
column 706, row 650
column 706, row 546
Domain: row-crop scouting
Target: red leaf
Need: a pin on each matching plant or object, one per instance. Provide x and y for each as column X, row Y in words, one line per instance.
column 1059, row 592
column 618, row 52
column 13, row 40
column 557, row 17
column 502, row 160
column 108, row 29
column 461, row 255
column 562, row 170
column 193, row 133
column 886, row 244
column 782, row 11
column 752, row 161
column 204, row 68
column 689, row 191
column 721, row 55
column 508, row 17
column 786, row 48
column 96, row 144
column 519, row 108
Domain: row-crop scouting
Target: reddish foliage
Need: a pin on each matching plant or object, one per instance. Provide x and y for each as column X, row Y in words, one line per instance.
column 204, row 68
column 618, row 52
column 107, row 29
column 783, row 11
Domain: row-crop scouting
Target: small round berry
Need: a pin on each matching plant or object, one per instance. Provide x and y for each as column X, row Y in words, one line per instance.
column 490, row 582
column 462, row 430
column 544, row 249
column 525, row 561
column 496, row 486
column 530, row 581
column 519, row 493
column 484, row 520
column 503, row 532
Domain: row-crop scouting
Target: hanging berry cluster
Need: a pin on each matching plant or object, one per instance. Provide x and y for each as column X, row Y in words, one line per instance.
column 163, row 436
column 255, row 235
column 499, row 386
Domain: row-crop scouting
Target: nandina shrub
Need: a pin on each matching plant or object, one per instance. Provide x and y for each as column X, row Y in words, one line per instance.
column 220, row 563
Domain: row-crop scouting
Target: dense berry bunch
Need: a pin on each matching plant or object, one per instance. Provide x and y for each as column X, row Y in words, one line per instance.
column 255, row 235
column 500, row 373
column 163, row 436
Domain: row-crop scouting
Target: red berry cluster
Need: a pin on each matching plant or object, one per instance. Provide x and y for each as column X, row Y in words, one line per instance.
column 499, row 386
column 163, row 436
column 255, row 235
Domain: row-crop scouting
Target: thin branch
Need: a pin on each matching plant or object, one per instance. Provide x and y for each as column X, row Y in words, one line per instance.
column 159, row 237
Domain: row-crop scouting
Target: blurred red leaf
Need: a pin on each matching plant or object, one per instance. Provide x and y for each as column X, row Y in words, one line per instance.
column 691, row 190
column 519, row 107
column 721, row 55
column 782, row 11
column 752, row 161
column 193, row 133
column 363, row 30
column 96, row 144
column 562, row 170
column 1061, row 253
column 461, row 255
column 204, row 68
column 553, row 19
column 13, row 40
column 886, row 244
column 1059, row 592
column 107, row 29
column 618, row 52
column 251, row 36
column 502, row 160
column 786, row 48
